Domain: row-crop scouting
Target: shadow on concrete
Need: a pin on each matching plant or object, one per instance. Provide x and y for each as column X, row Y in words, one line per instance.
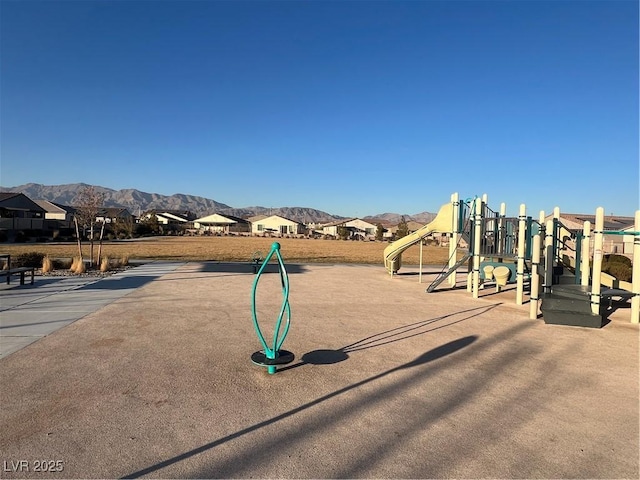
column 19, row 325
column 429, row 356
column 416, row 372
column 329, row 357
column 612, row 305
column 39, row 284
column 120, row 283
column 214, row 267
column 431, row 271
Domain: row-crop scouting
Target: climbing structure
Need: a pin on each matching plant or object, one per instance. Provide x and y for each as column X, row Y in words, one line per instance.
column 550, row 262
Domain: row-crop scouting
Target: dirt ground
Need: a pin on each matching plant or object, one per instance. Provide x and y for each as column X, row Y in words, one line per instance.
column 388, row 382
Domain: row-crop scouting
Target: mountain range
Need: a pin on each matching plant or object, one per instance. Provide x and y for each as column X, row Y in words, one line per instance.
column 137, row 202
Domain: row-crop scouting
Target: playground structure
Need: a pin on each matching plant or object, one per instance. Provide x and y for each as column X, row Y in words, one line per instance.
column 559, row 267
column 272, row 355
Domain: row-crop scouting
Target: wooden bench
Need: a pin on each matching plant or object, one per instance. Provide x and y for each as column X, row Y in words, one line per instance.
column 8, row 271
column 18, row 271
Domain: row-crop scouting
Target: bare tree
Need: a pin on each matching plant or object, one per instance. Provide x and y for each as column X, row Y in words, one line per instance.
column 89, row 204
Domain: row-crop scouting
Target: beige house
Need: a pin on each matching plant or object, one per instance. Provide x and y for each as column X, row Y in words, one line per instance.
column 622, row 244
column 54, row 211
column 113, row 214
column 357, row 228
column 627, row 240
column 222, row 224
column 275, row 225
column 411, row 225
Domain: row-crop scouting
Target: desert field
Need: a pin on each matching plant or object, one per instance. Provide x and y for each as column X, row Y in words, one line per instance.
column 237, row 249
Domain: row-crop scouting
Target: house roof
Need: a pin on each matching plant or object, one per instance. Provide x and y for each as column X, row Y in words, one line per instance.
column 339, row 222
column 66, row 208
column 218, row 219
column 186, row 214
column 171, row 216
column 7, row 195
column 411, row 225
column 253, row 219
column 50, row 207
column 346, row 221
column 19, row 201
column 611, row 222
column 112, row 212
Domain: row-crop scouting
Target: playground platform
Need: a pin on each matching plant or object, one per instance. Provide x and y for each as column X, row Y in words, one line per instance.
column 156, row 381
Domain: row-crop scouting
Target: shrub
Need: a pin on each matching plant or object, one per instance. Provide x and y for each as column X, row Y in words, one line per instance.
column 28, row 259
column 104, row 264
column 123, row 261
column 613, row 258
column 61, row 264
column 3, row 236
column 620, row 270
column 343, row 232
column 77, row 265
column 47, row 265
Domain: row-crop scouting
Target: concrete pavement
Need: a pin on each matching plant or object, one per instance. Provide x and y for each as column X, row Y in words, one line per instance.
column 31, row 312
column 388, row 382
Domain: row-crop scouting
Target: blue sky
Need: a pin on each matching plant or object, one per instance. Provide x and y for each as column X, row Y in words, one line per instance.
column 351, row 107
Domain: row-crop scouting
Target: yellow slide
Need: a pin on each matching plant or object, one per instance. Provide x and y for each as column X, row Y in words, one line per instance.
column 443, row 223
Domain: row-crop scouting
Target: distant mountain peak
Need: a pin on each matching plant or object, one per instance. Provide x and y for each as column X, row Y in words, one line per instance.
column 137, row 201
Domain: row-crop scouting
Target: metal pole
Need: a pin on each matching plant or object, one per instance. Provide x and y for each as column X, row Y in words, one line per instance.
column 635, row 281
column 597, row 261
column 476, row 248
column 455, row 232
column 420, row 274
column 522, row 229
column 586, row 254
column 548, row 257
column 535, row 278
column 578, row 257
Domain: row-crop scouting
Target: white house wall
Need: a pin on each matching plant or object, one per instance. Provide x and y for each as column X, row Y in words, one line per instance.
column 361, row 226
column 277, row 225
column 366, row 227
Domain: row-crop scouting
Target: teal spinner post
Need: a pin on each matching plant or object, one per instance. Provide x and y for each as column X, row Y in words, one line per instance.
column 272, row 355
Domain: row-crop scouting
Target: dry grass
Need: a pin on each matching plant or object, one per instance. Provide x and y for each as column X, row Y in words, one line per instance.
column 47, row 265
column 104, row 264
column 241, row 249
column 77, row 265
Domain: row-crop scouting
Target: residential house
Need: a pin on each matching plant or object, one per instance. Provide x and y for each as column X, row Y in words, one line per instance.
column 411, row 226
column 622, row 244
column 627, row 240
column 19, row 212
column 167, row 218
column 275, row 225
column 113, row 215
column 55, row 211
column 358, row 229
column 57, row 218
column 171, row 217
column 222, row 224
